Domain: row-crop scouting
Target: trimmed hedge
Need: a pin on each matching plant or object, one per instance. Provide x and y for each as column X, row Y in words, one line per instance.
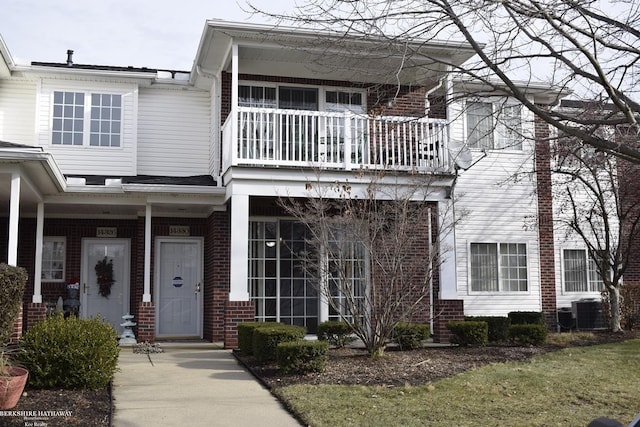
column 469, row 333
column 301, row 357
column 70, row 353
column 338, row 334
column 12, row 283
column 267, row 338
column 528, row 334
column 409, row 336
column 245, row 335
column 498, row 326
column 526, row 318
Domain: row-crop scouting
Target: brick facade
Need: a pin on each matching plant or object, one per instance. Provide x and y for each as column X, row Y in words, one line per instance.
column 446, row 311
column 236, row 312
column 545, row 223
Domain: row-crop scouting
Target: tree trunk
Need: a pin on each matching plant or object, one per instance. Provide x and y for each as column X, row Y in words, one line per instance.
column 614, row 306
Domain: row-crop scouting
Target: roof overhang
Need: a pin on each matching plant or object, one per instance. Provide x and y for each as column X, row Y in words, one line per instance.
column 539, row 92
column 296, row 52
column 6, row 61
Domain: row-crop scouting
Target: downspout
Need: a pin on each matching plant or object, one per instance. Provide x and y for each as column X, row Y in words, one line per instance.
column 215, row 122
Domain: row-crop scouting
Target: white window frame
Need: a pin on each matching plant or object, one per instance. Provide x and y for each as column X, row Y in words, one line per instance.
column 47, row 261
column 502, row 137
column 590, row 273
column 87, row 118
column 322, row 92
column 501, row 280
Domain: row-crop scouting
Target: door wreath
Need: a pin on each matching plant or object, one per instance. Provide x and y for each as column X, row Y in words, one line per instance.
column 104, row 275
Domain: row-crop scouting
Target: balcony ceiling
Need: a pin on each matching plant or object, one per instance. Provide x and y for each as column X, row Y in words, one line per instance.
column 302, row 53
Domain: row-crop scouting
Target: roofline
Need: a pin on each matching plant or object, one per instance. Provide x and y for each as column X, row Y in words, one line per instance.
column 23, row 155
column 7, row 59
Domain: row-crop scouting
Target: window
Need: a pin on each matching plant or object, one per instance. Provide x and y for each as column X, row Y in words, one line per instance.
column 105, row 120
column 68, row 118
column 257, row 96
column 491, row 126
column 580, row 273
column 498, row 267
column 53, row 259
column 76, row 114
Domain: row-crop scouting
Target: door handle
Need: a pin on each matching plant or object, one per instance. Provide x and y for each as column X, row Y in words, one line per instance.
column 84, row 287
column 197, row 288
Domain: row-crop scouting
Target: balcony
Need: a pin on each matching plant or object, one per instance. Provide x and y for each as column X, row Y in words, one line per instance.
column 268, row 137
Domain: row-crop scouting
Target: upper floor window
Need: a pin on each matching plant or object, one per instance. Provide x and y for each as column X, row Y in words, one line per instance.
column 75, row 115
column 53, row 259
column 339, row 101
column 494, row 125
column 580, row 273
column 257, row 96
column 498, row 267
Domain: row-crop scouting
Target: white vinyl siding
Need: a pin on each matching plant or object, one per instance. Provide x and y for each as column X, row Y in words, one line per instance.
column 18, row 111
column 87, row 159
column 493, row 207
column 173, row 132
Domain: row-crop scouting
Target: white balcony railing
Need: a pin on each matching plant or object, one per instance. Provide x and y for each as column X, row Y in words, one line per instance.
column 272, row 137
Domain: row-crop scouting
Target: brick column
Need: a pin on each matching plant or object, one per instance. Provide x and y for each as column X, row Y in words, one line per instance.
column 236, row 312
column 17, row 328
column 36, row 312
column 545, row 223
column 445, row 311
column 146, row 325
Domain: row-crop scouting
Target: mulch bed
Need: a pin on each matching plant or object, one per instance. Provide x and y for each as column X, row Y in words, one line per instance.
column 346, row 366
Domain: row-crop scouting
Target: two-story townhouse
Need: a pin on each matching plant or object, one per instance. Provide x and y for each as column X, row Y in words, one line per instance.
column 169, row 180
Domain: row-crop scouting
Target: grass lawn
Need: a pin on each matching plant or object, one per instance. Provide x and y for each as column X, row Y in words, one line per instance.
column 570, row 387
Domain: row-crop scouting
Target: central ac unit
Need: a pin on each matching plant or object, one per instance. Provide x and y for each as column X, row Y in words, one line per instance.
column 588, row 314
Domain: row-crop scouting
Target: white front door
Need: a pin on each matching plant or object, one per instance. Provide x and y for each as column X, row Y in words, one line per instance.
column 178, row 287
column 110, row 302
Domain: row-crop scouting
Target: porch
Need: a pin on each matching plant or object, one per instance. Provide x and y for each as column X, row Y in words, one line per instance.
column 270, row 137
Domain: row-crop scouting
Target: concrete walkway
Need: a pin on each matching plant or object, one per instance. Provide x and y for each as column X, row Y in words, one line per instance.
column 191, row 384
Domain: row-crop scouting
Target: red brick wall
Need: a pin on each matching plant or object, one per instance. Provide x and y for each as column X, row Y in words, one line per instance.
column 545, row 223
column 236, row 312
column 145, row 320
column 629, row 193
column 216, row 270
column 446, row 311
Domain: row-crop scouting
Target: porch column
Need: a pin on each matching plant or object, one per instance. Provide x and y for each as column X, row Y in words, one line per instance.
column 239, row 247
column 14, row 216
column 234, row 103
column 37, row 274
column 146, row 296
column 448, row 279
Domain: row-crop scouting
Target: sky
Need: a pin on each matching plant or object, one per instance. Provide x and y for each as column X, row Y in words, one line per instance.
column 140, row 33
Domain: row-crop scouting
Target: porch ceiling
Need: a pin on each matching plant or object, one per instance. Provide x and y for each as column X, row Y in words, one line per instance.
column 302, row 53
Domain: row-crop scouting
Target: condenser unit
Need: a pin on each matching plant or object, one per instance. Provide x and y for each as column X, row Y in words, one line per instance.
column 588, row 314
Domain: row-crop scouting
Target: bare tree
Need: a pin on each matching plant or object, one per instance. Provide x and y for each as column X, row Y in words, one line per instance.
column 589, row 47
column 596, row 198
column 374, row 252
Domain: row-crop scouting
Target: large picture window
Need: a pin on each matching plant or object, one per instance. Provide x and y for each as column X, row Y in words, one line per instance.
column 96, row 116
column 498, row 267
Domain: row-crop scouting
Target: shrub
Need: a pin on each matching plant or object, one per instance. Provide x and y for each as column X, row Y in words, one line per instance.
column 409, row 336
column 528, row 334
column 468, row 333
column 338, row 334
column 498, row 326
column 12, row 283
column 302, row 356
column 245, row 335
column 70, row 353
column 526, row 318
column 267, row 338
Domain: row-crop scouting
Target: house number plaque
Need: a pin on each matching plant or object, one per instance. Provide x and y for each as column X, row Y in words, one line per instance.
column 179, row 230
column 106, row 232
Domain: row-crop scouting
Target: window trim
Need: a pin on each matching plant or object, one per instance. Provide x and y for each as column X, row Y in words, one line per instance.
column 322, row 91
column 587, row 275
column 495, row 135
column 87, row 119
column 54, row 239
column 500, row 291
